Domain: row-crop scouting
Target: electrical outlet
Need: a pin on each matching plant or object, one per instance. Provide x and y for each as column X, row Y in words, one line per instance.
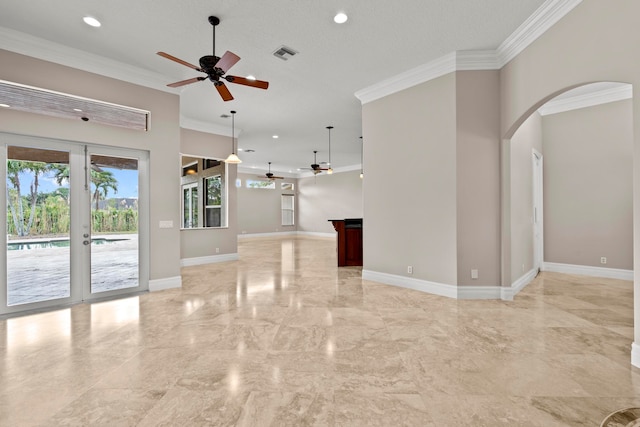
column 409, row 269
column 603, row 260
column 474, row 274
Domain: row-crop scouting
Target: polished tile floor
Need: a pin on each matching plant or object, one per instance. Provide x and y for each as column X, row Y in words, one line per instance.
column 284, row 338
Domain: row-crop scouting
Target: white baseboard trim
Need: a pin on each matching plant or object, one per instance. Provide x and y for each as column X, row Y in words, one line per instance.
column 166, row 283
column 586, row 270
column 635, row 355
column 507, row 294
column 441, row 289
column 274, row 234
column 188, row 262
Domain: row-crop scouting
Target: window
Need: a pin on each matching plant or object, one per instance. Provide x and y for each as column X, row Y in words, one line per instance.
column 260, row 184
column 213, row 201
column 190, row 205
column 287, row 203
column 204, row 192
column 286, row 186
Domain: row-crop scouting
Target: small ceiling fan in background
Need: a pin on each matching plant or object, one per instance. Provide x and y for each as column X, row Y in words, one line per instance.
column 315, row 167
column 215, row 69
column 270, row 175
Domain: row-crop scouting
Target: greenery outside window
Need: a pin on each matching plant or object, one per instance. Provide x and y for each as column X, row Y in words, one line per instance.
column 213, row 201
column 190, row 205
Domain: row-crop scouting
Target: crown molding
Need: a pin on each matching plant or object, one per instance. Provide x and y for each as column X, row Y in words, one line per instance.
column 200, row 126
column 439, row 67
column 624, row 91
column 25, row 44
column 537, row 24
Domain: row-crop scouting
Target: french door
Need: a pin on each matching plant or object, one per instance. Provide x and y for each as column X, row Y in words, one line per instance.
column 75, row 217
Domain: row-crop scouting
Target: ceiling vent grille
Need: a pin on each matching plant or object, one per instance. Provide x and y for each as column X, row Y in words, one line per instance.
column 284, row 53
column 42, row 101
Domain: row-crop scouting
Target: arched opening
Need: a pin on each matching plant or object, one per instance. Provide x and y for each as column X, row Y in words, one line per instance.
column 583, row 137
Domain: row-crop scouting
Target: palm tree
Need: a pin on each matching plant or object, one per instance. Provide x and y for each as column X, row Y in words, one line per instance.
column 103, row 181
column 14, row 169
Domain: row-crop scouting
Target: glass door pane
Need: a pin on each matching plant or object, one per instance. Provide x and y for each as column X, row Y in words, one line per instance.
column 114, row 223
column 38, row 225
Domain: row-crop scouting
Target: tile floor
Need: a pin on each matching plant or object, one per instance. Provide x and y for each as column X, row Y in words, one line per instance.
column 284, row 338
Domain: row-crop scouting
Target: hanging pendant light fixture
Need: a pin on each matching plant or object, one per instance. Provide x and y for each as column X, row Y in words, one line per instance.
column 233, row 158
column 330, row 170
column 361, row 158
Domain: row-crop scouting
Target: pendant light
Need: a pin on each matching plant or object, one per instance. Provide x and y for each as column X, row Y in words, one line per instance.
column 330, row 170
column 233, row 158
column 361, row 158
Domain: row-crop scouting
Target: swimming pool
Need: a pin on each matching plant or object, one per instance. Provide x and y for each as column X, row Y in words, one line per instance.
column 58, row 243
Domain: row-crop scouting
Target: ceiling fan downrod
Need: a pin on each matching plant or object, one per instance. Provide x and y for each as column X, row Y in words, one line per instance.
column 214, row 21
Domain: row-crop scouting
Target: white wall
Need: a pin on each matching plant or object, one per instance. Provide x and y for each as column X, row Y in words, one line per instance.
column 260, row 209
column 588, row 186
column 410, row 182
column 324, row 197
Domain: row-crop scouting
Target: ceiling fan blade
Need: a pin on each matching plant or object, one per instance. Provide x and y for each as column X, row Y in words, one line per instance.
column 179, row 61
column 223, row 90
column 186, row 82
column 260, row 84
column 227, row 61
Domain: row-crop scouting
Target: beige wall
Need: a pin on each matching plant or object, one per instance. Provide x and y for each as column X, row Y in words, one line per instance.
column 526, row 138
column 588, row 170
column 162, row 140
column 260, row 209
column 478, row 177
column 326, row 197
column 594, row 42
column 203, row 242
column 409, row 186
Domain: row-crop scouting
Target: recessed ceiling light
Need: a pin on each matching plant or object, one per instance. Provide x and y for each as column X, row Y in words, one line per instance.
column 340, row 18
column 77, row 109
column 275, row 137
column 90, row 20
column 5, row 105
column 251, row 77
column 240, row 149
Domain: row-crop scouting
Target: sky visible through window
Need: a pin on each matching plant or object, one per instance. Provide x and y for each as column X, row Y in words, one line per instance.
column 127, row 183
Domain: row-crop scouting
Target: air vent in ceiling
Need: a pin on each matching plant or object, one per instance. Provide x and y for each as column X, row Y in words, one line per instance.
column 42, row 101
column 284, row 53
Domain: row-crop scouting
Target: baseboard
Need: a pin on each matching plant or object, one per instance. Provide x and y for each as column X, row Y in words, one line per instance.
column 188, row 262
column 443, row 289
column 586, row 270
column 635, row 355
column 435, row 288
column 166, row 283
column 507, row 294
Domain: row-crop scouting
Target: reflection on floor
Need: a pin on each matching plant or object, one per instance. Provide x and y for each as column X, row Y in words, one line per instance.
column 283, row 337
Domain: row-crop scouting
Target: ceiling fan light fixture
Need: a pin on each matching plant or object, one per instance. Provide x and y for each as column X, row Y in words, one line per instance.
column 340, row 18
column 91, row 21
column 329, row 171
column 233, row 158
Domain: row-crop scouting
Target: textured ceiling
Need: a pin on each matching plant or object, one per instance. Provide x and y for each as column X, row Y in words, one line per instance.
column 314, row 89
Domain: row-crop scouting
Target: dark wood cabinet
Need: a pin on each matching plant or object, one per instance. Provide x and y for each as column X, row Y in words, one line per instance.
column 349, row 241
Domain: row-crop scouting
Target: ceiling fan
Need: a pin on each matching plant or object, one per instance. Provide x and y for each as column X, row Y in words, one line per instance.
column 270, row 175
column 315, row 167
column 215, row 69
